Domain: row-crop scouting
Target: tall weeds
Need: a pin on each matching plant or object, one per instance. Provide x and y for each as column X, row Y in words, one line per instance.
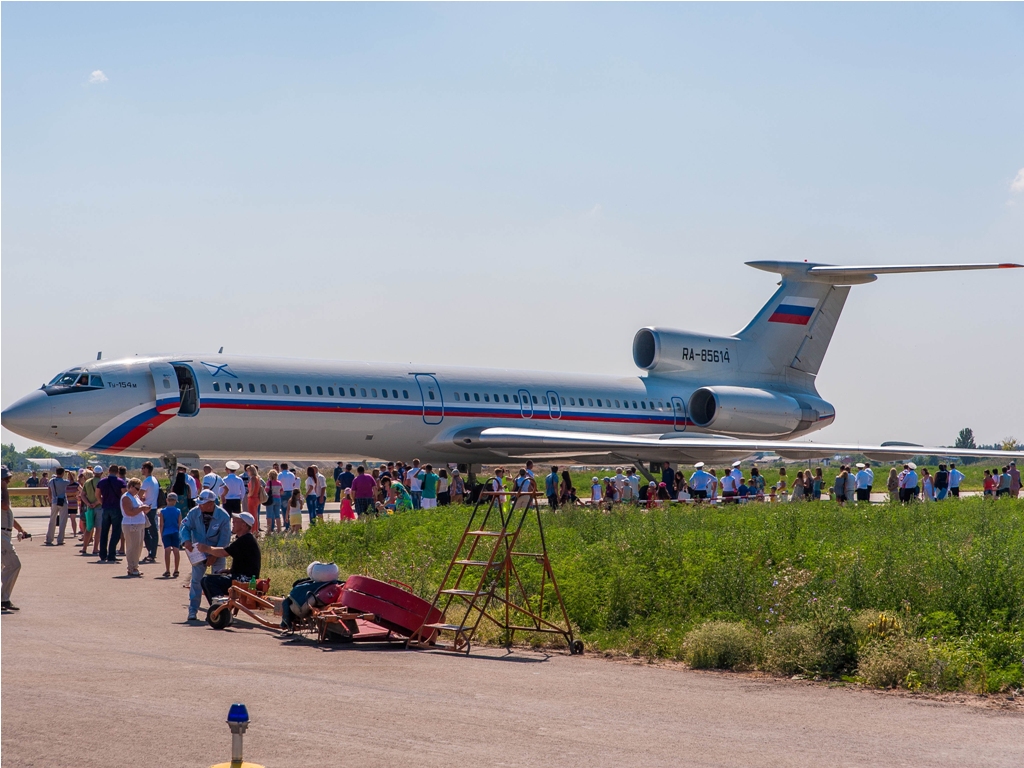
column 635, row 579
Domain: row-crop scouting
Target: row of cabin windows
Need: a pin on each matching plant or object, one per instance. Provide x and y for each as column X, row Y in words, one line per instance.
column 543, row 400
column 239, row 387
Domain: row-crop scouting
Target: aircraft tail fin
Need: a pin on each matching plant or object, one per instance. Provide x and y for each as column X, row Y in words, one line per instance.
column 794, row 328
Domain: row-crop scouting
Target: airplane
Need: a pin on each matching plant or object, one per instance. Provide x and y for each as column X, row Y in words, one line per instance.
column 703, row 397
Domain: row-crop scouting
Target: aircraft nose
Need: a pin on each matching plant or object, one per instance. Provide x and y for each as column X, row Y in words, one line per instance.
column 29, row 417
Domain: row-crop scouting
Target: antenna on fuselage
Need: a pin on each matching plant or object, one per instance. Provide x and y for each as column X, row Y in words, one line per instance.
column 99, row 355
column 220, row 351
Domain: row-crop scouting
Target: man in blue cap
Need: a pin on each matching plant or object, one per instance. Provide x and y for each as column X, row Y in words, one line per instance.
column 206, row 523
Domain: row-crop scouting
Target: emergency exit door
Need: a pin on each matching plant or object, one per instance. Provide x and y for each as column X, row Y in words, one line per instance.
column 430, row 394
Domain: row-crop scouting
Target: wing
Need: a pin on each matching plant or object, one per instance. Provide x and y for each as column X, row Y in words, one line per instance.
column 547, row 443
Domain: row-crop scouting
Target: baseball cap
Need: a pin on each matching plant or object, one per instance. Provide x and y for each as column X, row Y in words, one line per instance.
column 232, row 466
column 912, row 465
column 98, row 468
column 246, row 518
column 206, row 495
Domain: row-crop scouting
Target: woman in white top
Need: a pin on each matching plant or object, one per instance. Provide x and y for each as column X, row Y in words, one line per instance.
column 927, row 485
column 133, row 524
column 443, row 495
column 851, row 485
column 713, row 485
column 316, row 492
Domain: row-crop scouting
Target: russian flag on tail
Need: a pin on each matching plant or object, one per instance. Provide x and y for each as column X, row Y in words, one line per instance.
column 794, row 310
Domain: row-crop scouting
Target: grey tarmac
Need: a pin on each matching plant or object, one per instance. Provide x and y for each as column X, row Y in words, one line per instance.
column 101, row 670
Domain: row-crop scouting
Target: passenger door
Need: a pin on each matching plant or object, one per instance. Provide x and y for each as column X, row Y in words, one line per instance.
column 525, row 404
column 554, row 405
column 679, row 415
column 165, row 385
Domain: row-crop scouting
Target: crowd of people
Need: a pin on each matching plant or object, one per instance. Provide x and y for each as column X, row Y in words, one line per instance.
column 114, row 516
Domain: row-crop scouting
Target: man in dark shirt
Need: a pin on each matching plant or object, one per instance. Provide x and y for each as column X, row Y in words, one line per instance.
column 668, row 477
column 110, row 489
column 32, row 481
column 345, row 478
column 245, row 558
column 337, row 486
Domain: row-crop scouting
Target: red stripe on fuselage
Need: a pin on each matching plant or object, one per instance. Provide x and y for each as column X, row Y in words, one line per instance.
column 131, row 437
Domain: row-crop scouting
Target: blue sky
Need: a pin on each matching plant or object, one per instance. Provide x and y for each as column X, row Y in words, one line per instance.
column 520, row 185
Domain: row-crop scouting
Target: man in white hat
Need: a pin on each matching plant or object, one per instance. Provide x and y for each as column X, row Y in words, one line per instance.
column 234, row 489
column 699, row 482
column 736, row 473
column 206, row 523
column 863, row 482
column 245, row 558
column 909, row 484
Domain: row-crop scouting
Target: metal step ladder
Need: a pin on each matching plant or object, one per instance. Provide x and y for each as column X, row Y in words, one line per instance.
column 483, row 580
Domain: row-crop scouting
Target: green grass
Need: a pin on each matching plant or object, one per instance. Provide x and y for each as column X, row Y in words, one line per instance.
column 643, row 582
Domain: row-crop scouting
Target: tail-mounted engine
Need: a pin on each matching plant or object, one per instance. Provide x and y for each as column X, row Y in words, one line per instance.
column 756, row 412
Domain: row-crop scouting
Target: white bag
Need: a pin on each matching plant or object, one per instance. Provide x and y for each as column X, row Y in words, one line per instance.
column 322, row 572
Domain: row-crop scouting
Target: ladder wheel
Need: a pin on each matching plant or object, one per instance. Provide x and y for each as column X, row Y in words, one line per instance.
column 576, row 647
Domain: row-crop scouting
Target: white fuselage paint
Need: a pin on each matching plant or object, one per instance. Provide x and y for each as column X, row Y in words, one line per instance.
column 312, row 419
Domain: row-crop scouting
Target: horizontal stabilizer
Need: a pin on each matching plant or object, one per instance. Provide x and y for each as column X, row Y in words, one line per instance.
column 838, row 275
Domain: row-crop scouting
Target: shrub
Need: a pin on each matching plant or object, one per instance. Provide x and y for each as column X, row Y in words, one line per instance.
column 792, row 649
column 834, row 639
column 721, row 645
column 894, row 662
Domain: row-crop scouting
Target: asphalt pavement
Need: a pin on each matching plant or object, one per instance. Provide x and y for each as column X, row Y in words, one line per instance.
column 102, row 670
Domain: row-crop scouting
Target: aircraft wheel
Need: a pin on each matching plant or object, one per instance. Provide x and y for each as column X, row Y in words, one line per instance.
column 576, row 648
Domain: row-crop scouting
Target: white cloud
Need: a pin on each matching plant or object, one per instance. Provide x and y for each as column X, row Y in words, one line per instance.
column 1018, row 182
column 97, row 77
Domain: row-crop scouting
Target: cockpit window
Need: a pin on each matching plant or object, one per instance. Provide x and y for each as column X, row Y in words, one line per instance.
column 66, row 379
column 76, row 378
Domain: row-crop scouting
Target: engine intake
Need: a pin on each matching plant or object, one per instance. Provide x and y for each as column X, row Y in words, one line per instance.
column 664, row 350
column 749, row 411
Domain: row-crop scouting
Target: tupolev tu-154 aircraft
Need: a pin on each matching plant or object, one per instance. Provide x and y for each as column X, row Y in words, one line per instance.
column 710, row 398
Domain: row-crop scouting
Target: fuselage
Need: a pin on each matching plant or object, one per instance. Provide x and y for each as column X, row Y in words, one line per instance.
column 263, row 408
